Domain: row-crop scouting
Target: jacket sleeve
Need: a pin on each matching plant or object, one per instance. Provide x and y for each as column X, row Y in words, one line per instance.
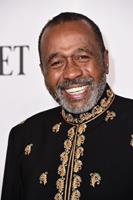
column 12, row 186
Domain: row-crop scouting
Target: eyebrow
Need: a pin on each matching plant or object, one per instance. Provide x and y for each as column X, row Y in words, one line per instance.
column 51, row 56
column 86, row 49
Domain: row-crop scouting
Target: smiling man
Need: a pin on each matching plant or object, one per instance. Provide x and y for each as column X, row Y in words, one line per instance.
column 74, row 64
column 82, row 149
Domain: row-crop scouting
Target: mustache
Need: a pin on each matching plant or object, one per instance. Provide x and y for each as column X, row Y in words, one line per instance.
column 68, row 83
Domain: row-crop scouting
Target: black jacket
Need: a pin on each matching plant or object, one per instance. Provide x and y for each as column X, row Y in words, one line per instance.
column 55, row 155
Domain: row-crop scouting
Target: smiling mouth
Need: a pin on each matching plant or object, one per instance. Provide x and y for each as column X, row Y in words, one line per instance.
column 76, row 90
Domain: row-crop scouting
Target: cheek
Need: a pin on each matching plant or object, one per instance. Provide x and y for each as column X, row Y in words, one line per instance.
column 52, row 78
column 94, row 70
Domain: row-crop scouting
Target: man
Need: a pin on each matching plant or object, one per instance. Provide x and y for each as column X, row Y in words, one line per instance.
column 82, row 149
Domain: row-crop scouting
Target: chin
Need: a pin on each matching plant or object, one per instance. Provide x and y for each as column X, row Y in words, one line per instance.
column 77, row 107
column 81, row 105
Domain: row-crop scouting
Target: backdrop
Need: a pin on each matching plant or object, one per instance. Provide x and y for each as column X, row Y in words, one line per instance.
column 21, row 84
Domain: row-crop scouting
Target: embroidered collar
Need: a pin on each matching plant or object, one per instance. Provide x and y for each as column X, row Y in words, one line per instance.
column 103, row 104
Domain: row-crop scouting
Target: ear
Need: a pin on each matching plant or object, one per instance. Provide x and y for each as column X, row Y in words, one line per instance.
column 106, row 61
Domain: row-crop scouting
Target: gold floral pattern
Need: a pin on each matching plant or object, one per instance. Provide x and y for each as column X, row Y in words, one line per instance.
column 60, row 184
column 56, row 128
column 67, row 144
column 80, row 140
column 70, row 159
column 64, row 157
column 110, row 115
column 27, row 149
column 75, row 195
column 77, row 166
column 95, row 179
column 82, row 128
column 58, row 196
column 43, row 178
column 76, row 182
column 71, row 133
column 62, row 169
column 79, row 152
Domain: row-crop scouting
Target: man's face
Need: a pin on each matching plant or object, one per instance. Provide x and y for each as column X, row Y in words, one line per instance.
column 73, row 66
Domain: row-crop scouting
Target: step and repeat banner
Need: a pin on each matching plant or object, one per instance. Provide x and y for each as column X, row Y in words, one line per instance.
column 22, row 89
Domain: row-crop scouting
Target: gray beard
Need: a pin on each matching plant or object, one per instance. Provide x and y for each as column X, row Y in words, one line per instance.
column 97, row 90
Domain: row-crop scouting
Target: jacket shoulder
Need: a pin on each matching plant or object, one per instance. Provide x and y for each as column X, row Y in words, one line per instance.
column 36, row 123
column 124, row 102
column 124, row 108
column 43, row 116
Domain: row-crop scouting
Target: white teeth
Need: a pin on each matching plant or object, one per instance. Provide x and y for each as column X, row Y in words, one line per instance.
column 76, row 90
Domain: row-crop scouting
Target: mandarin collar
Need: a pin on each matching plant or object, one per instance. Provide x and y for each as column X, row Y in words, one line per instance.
column 103, row 104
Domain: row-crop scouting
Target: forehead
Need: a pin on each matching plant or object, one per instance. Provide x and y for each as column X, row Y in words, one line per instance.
column 75, row 25
column 67, row 35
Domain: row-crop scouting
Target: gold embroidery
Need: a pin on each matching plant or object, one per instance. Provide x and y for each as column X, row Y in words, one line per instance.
column 82, row 128
column 27, row 149
column 95, row 179
column 79, row 152
column 110, row 93
column 58, row 196
column 75, row 195
column 71, row 133
column 71, row 155
column 76, row 182
column 43, row 178
column 60, row 184
column 96, row 111
column 56, row 128
column 131, row 142
column 68, row 144
column 78, row 166
column 80, row 140
column 110, row 115
column 62, row 170
column 64, row 157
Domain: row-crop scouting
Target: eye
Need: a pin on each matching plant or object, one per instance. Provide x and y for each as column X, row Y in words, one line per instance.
column 57, row 63
column 82, row 58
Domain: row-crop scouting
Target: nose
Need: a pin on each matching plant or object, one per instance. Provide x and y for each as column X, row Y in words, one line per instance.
column 72, row 70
